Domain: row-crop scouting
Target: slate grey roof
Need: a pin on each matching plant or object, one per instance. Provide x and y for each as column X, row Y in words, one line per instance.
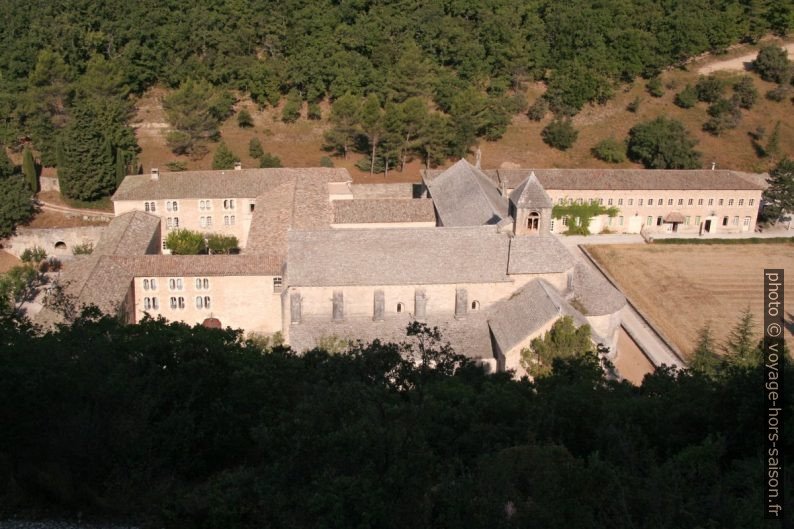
column 530, row 194
column 469, row 337
column 129, row 234
column 201, row 265
column 594, row 292
column 244, row 183
column 397, row 256
column 630, row 179
column 525, row 312
column 362, row 211
column 464, row 196
column 538, row 255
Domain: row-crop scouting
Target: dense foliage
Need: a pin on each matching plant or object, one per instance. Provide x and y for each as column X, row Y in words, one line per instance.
column 192, row 427
column 16, row 205
column 186, row 242
column 779, row 196
column 610, row 150
column 663, row 143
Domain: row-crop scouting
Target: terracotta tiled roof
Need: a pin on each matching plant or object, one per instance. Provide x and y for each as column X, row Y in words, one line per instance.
column 383, row 210
column 244, row 183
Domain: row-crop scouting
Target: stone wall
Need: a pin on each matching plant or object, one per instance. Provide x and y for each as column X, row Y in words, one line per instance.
column 57, row 242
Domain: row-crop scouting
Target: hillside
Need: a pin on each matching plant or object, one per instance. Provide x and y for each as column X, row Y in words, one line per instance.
column 300, row 143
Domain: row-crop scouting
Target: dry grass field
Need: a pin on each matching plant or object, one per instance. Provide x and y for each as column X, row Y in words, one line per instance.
column 300, row 144
column 680, row 288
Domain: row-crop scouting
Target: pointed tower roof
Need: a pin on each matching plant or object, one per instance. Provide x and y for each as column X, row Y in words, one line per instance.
column 530, row 194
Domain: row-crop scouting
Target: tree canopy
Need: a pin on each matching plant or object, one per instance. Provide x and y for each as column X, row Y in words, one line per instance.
column 663, row 144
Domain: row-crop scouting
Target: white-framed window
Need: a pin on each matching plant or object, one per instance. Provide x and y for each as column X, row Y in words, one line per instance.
column 277, row 281
column 150, row 284
column 620, row 221
column 649, row 222
column 228, row 203
column 609, row 221
column 747, row 221
column 565, row 221
column 177, row 302
column 711, row 202
column 730, row 202
column 175, row 283
column 209, row 222
column 620, row 202
column 700, row 202
column 660, row 201
column 686, row 221
column 203, row 222
column 690, row 202
column 751, row 202
column 231, row 220
column 669, row 201
column 720, row 202
column 639, row 202
column 205, row 204
column 570, row 201
column 735, row 221
column 697, row 221
column 202, row 283
column 226, row 220
column 741, row 202
column 580, row 201
column 609, row 202
column 146, row 284
column 168, row 223
column 172, row 205
column 176, row 222
column 680, row 201
column 151, row 303
column 601, row 201
column 150, row 207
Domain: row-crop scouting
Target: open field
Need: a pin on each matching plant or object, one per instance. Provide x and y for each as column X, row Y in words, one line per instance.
column 681, row 288
column 300, row 144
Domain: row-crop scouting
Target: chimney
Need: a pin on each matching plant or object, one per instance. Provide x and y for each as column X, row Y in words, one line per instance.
column 238, row 166
column 155, row 174
column 713, row 165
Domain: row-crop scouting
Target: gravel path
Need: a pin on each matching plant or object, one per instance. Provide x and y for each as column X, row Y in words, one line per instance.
column 738, row 63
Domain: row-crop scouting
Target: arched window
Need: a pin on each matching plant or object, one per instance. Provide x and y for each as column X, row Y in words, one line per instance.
column 146, row 284
column 400, row 308
column 60, row 245
column 475, row 305
column 533, row 221
column 199, row 302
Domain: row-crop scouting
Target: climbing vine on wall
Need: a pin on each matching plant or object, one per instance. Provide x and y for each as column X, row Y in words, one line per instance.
column 583, row 212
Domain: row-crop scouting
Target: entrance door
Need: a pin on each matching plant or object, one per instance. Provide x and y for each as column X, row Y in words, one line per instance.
column 707, row 226
column 675, row 227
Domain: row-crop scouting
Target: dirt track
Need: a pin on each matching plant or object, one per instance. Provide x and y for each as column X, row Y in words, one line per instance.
column 737, row 63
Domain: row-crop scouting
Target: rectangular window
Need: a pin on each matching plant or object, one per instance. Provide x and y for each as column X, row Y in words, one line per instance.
column 202, row 222
column 720, row 202
column 680, row 201
column 724, row 221
column 231, row 220
column 700, row 202
column 669, row 201
column 578, row 221
column 650, row 202
column 226, row 220
column 168, row 205
column 609, row 202
column 601, row 202
column 609, row 221
column 689, row 202
column 631, row 201
column 552, row 225
column 276, row 284
column 735, row 221
column 561, row 201
column 620, row 221
column 209, row 222
column 649, row 221
column 168, row 223
column 741, row 202
column 659, row 221
column 686, row 221
column 711, row 202
column 570, row 201
column 173, row 302
column 751, row 201
column 697, row 221
column 565, row 221
column 155, row 303
column 181, row 301
column 730, row 202
column 579, row 201
column 747, row 221
column 175, row 283
column 146, row 206
column 176, row 222
column 252, row 206
column 199, row 302
column 639, row 202
column 620, row 202
column 660, row 202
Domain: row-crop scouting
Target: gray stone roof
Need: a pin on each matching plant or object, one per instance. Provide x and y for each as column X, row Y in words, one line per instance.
column 363, row 211
column 623, row 179
column 397, row 256
column 469, row 337
column 538, row 255
column 96, row 280
column 464, row 196
column 201, row 265
column 525, row 312
column 129, row 234
column 530, row 194
column 244, row 183
column 594, row 292
column 630, row 179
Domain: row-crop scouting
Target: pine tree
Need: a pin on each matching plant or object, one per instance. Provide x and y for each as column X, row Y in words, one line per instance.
column 7, row 168
column 121, row 166
column 224, row 157
column 15, row 206
column 344, row 120
column 255, row 149
column 772, row 148
column 704, row 358
column 29, row 170
column 779, row 196
column 741, row 347
column 372, row 124
column 244, row 119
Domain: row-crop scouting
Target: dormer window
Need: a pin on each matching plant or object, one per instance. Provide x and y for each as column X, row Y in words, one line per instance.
column 533, row 221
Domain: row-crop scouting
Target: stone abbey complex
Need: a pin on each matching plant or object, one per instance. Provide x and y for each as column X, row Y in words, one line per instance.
column 476, row 253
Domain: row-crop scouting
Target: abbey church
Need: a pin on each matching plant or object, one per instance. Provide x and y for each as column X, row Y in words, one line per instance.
column 474, row 252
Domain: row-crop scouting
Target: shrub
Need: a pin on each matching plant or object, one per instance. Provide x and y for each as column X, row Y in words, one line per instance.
column 269, row 160
column 83, row 249
column 314, row 111
column 326, row 161
column 560, row 134
column 686, row 98
column 53, row 264
column 176, row 165
column 610, row 150
column 224, row 157
column 292, row 108
column 778, row 93
column 663, row 144
column 772, row 64
column 33, row 255
column 746, row 92
column 185, row 242
column 538, row 109
column 725, row 114
column 654, row 87
column 244, row 119
column 222, row 244
column 255, row 149
column 634, row 104
column 709, row 89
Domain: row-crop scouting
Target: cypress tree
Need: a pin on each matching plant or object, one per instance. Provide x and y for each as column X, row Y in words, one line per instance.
column 741, row 347
column 29, row 170
column 121, row 166
column 255, row 149
column 705, row 359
